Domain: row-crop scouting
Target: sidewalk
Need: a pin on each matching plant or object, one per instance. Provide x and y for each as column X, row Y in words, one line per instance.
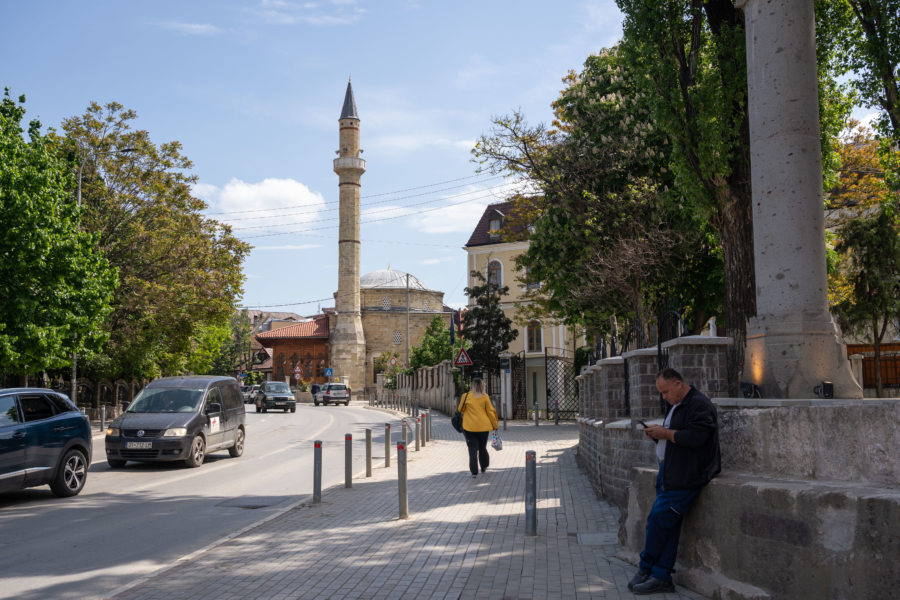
column 464, row 538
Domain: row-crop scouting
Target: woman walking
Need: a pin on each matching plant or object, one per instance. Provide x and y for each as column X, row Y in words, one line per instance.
column 479, row 419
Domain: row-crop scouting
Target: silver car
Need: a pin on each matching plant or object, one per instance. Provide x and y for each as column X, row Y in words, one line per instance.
column 334, row 393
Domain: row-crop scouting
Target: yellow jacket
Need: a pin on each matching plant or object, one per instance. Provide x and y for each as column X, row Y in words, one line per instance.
column 478, row 412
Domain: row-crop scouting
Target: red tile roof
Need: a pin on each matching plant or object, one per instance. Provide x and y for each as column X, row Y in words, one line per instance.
column 315, row 328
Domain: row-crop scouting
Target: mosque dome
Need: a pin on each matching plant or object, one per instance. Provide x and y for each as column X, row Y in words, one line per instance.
column 390, row 279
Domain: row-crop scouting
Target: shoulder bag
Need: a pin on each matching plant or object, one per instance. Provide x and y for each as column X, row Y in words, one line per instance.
column 456, row 420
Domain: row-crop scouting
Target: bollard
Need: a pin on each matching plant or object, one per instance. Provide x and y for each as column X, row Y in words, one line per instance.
column 402, row 489
column 102, row 417
column 317, row 472
column 368, row 452
column 387, row 444
column 418, row 433
column 424, row 420
column 428, row 424
column 536, row 422
column 530, row 493
column 404, row 435
column 348, row 460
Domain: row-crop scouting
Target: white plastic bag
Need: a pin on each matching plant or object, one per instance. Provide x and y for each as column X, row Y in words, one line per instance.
column 496, row 442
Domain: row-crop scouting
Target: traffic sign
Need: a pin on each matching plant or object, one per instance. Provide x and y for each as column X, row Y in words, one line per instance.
column 393, row 361
column 297, row 369
column 329, row 372
column 462, row 359
column 297, row 376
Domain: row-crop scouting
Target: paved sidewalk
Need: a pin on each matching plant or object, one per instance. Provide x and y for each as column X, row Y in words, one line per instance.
column 464, row 538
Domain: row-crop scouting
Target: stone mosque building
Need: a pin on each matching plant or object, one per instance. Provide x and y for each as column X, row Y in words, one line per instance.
column 383, row 311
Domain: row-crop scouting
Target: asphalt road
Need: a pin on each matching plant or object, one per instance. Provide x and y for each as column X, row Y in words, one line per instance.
column 129, row 522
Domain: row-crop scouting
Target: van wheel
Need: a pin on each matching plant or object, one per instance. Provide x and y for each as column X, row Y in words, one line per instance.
column 238, row 447
column 293, row 409
column 197, row 452
column 115, row 463
column 70, row 475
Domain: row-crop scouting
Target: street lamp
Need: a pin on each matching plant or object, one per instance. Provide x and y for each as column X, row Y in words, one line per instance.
column 84, row 157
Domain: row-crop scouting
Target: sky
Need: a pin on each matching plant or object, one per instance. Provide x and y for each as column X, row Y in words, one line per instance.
column 253, row 90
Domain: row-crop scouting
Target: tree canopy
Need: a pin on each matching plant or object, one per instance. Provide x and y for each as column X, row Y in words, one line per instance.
column 180, row 272
column 435, row 345
column 55, row 286
column 485, row 326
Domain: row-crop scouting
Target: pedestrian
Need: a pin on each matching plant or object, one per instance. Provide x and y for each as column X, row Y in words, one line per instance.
column 314, row 390
column 479, row 419
column 687, row 448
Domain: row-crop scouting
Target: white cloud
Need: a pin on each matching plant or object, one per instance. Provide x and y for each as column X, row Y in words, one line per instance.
column 191, row 28
column 268, row 206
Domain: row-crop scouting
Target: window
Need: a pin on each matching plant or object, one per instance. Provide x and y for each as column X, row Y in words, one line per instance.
column 494, row 225
column 425, row 305
column 494, row 275
column 36, row 407
column 385, row 303
column 398, row 338
column 9, row 414
column 535, row 343
column 531, row 285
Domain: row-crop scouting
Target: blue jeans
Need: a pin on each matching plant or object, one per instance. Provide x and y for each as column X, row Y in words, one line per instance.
column 664, row 528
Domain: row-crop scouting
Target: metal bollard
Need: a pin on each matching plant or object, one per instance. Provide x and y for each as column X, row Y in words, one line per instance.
column 536, row 422
column 102, row 417
column 317, row 472
column 423, row 418
column 387, row 444
column 402, row 488
column 348, row 460
column 418, row 433
column 404, row 434
column 530, row 493
column 428, row 424
column 368, row 452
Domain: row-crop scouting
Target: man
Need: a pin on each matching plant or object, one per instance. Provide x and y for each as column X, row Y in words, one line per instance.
column 687, row 447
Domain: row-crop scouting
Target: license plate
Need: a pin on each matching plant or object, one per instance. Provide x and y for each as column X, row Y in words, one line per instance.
column 139, row 445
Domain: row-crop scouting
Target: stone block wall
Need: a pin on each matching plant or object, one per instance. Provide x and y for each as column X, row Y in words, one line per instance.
column 430, row 387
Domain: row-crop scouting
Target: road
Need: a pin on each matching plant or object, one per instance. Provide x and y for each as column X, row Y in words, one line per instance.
column 129, row 522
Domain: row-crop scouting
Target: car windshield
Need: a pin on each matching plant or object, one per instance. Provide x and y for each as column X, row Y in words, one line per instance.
column 166, row 400
column 277, row 386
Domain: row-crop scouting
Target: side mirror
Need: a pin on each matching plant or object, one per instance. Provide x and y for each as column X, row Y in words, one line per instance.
column 214, row 407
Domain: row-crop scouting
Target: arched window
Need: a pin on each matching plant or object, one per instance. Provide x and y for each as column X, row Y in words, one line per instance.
column 494, row 273
column 535, row 343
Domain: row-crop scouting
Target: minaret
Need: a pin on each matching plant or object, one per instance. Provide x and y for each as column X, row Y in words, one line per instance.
column 348, row 343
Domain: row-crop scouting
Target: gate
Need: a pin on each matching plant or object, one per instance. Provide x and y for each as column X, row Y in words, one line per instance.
column 517, row 380
column 562, row 392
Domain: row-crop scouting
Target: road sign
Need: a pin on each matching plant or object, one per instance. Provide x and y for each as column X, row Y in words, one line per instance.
column 297, row 376
column 329, row 372
column 462, row 359
column 297, row 370
column 393, row 361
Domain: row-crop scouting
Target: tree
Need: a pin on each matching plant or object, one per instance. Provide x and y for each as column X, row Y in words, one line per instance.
column 234, row 354
column 435, row 346
column 180, row 272
column 381, row 364
column 609, row 233
column 55, row 288
column 871, row 247
column 485, row 326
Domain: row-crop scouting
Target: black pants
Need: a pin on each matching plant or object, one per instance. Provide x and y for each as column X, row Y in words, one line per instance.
column 478, row 454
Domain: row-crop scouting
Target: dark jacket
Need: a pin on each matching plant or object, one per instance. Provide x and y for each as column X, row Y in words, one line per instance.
column 694, row 459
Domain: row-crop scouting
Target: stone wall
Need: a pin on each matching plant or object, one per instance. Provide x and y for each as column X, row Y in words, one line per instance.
column 430, row 387
column 808, row 501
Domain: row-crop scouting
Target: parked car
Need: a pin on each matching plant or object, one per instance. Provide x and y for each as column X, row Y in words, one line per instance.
column 179, row 418
column 251, row 396
column 334, row 393
column 44, row 439
column 275, row 394
column 245, row 393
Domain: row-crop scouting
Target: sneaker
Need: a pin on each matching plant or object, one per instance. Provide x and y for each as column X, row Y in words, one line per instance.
column 639, row 577
column 653, row 586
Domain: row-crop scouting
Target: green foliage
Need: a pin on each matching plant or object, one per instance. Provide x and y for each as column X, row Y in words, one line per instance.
column 435, row 346
column 206, row 347
column 234, row 353
column 180, row 272
column 485, row 326
column 381, row 364
column 871, row 247
column 55, row 288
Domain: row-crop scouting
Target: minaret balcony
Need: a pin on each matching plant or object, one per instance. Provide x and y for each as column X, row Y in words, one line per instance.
column 349, row 163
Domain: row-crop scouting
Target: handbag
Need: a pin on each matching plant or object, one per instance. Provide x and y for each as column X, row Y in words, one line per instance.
column 496, row 442
column 456, row 420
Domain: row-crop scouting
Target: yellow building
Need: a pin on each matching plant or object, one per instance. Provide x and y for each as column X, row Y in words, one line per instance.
column 495, row 258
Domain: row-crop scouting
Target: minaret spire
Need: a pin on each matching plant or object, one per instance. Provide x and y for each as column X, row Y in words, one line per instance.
column 348, row 343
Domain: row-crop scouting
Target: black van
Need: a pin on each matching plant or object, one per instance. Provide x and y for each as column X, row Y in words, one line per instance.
column 179, row 418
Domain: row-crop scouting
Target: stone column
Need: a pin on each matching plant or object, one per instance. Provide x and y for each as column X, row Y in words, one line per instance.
column 793, row 344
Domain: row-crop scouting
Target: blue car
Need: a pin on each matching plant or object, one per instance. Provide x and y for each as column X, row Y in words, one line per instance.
column 44, row 439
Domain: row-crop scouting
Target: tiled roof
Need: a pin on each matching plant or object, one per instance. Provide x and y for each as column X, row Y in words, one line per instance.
column 481, row 235
column 314, row 328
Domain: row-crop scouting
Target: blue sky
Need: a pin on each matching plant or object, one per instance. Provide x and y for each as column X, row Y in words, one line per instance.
column 253, row 91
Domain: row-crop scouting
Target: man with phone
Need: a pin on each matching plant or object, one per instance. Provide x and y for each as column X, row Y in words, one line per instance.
column 687, row 447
